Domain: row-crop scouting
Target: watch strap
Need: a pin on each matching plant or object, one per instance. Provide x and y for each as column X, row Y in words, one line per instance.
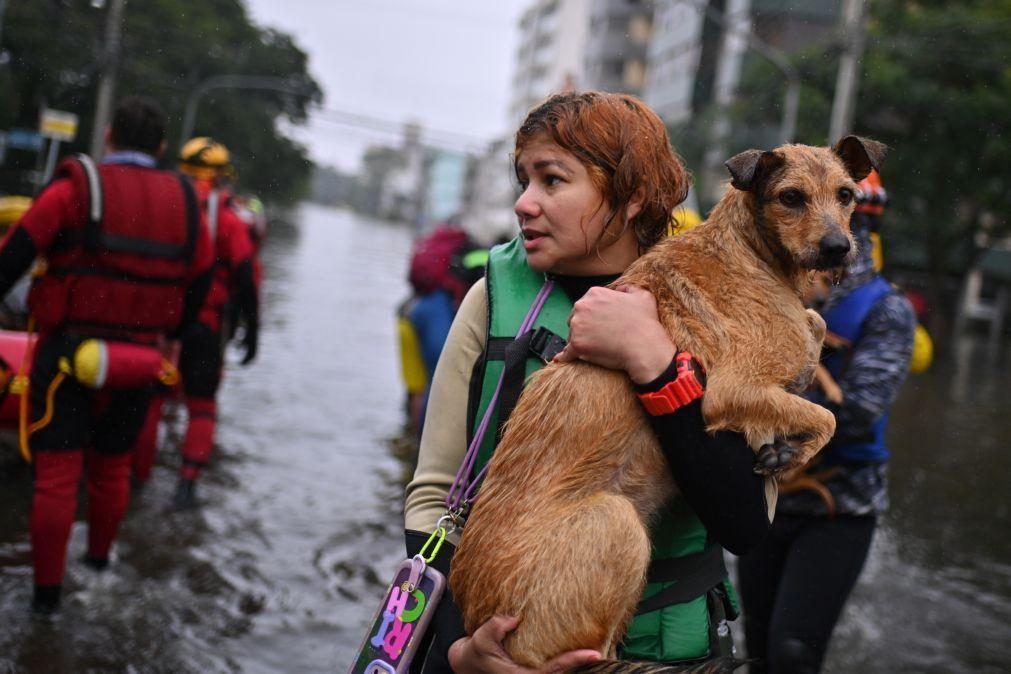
column 678, row 392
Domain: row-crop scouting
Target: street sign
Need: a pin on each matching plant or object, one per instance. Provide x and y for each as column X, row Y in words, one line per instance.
column 24, row 139
column 58, row 125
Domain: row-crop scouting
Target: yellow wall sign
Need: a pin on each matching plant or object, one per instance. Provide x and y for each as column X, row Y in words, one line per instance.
column 58, row 125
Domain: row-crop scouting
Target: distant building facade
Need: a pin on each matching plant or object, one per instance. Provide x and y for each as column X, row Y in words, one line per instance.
column 403, row 190
column 445, row 182
column 415, row 184
column 681, row 56
column 617, row 44
column 699, row 52
column 563, row 45
column 698, row 47
column 673, row 58
column 332, row 187
column 488, row 212
column 790, row 26
column 550, row 55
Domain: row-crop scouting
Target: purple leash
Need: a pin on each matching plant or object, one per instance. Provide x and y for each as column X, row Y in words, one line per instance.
column 461, row 492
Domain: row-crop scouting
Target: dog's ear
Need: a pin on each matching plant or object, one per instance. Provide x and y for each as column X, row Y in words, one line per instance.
column 860, row 155
column 748, row 169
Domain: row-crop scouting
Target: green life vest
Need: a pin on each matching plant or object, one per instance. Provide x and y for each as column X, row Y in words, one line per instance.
column 674, row 632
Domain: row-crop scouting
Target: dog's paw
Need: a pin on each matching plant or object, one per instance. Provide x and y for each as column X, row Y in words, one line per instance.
column 775, row 457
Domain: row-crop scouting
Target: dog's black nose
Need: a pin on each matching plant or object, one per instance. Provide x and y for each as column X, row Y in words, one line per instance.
column 835, row 246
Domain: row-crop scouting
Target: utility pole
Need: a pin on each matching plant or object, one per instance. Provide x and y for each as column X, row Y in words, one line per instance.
column 107, row 85
column 737, row 35
column 854, row 39
column 3, row 10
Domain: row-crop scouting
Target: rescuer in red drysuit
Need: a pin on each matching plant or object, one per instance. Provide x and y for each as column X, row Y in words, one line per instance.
column 128, row 260
column 208, row 163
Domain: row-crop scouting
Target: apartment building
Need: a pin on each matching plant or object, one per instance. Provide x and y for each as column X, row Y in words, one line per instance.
column 550, row 53
column 616, row 46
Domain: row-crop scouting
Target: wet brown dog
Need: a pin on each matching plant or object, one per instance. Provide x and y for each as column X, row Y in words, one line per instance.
column 559, row 535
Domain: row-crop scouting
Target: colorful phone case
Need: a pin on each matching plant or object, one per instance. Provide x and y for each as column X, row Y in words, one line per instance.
column 400, row 623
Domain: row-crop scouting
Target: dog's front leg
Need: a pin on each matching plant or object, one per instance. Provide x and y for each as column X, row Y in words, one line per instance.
column 765, row 413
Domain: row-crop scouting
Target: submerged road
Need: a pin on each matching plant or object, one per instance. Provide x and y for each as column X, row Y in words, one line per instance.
column 285, row 563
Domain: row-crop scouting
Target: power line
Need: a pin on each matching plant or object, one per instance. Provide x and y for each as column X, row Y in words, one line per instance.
column 419, row 12
column 430, row 135
column 381, row 123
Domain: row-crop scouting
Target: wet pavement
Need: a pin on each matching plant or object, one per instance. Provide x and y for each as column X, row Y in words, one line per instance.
column 286, row 561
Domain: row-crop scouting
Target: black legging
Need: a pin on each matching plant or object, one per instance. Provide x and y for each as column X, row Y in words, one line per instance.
column 794, row 585
column 200, row 361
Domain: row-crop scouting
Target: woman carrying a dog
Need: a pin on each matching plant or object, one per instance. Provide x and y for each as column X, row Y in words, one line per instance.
column 599, row 181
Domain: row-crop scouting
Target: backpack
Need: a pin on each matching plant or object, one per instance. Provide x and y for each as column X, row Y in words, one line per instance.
column 435, row 262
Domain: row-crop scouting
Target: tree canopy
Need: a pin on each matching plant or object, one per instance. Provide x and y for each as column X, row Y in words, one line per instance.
column 168, row 48
column 935, row 86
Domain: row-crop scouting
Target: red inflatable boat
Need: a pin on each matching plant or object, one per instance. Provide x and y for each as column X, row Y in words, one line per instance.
column 13, row 345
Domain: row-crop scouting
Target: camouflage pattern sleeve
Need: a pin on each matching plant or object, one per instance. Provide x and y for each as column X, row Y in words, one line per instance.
column 878, row 367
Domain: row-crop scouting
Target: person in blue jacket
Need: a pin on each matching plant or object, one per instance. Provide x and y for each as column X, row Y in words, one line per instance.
column 444, row 265
column 795, row 583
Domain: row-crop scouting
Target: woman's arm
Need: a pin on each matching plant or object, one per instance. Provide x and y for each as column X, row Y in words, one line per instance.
column 716, row 477
column 444, row 437
column 443, row 446
column 714, row 472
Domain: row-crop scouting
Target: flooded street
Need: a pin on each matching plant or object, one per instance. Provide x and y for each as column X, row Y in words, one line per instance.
column 936, row 593
column 300, row 531
column 281, row 568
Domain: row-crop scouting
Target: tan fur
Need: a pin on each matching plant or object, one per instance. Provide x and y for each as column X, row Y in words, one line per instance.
column 559, row 535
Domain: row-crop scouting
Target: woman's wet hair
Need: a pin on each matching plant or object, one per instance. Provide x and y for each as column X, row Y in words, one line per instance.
column 625, row 148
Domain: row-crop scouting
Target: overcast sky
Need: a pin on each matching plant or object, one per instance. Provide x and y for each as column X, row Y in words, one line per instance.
column 444, row 63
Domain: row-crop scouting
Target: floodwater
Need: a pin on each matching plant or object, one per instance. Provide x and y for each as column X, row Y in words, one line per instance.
column 300, row 531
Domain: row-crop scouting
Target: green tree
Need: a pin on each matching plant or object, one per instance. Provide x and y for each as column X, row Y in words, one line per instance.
column 169, row 46
column 936, row 87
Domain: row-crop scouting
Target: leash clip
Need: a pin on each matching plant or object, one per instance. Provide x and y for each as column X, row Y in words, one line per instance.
column 457, row 517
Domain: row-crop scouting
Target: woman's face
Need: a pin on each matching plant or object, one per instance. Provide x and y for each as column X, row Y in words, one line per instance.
column 562, row 214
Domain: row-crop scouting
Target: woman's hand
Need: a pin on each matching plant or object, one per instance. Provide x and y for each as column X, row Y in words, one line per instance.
column 484, row 652
column 619, row 329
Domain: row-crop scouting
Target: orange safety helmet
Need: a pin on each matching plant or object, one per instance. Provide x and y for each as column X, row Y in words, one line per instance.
column 204, row 158
column 871, row 195
column 871, row 199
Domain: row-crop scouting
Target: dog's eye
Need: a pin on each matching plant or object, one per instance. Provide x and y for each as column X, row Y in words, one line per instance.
column 845, row 196
column 791, row 198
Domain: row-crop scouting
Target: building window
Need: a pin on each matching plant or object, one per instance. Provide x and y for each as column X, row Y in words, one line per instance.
column 634, row 75
column 639, row 29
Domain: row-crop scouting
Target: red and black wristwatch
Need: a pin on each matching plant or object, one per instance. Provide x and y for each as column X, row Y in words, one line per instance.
column 688, row 385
